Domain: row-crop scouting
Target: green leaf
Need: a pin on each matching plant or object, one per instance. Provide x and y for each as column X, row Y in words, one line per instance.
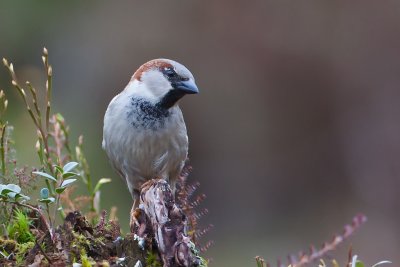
column 58, row 169
column 67, row 182
column 69, row 174
column 2, row 187
column 47, row 200
column 59, row 117
column 5, row 192
column 4, row 254
column 353, row 261
column 380, row 263
column 14, row 188
column 11, row 195
column 70, row 166
column 45, row 175
column 39, row 150
column 359, row 264
column 100, row 183
column 9, row 191
column 19, row 196
column 44, row 193
column 59, row 190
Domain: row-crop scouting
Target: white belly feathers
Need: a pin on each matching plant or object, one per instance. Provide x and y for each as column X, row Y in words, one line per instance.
column 149, row 143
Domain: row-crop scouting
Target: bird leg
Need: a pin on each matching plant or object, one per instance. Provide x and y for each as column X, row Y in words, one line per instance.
column 133, row 221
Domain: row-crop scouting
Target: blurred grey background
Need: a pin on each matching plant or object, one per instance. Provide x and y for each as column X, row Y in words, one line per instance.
column 296, row 128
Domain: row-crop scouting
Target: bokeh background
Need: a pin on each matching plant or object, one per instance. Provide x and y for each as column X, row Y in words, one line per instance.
column 296, row 128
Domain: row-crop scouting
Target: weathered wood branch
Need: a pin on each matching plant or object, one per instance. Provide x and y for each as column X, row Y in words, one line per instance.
column 159, row 218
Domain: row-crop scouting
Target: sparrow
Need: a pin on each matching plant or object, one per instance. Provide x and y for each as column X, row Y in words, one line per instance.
column 144, row 134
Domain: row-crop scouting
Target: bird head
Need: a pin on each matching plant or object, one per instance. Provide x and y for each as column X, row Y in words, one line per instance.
column 162, row 82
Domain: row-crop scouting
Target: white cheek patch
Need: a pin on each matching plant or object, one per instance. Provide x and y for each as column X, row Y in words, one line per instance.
column 156, row 83
column 152, row 87
column 139, row 89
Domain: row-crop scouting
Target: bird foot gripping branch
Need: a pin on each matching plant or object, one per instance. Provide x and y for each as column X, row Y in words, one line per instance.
column 158, row 218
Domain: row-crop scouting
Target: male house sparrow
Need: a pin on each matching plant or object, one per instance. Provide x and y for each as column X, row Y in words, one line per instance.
column 144, row 133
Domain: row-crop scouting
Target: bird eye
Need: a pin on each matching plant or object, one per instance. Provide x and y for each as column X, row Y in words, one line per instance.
column 170, row 72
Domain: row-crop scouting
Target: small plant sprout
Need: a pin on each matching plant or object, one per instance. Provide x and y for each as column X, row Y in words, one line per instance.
column 11, row 193
column 44, row 193
column 59, row 165
column 315, row 254
column 3, row 128
column 41, row 120
column 60, row 181
column 53, row 145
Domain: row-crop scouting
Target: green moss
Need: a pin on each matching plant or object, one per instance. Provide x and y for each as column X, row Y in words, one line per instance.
column 8, row 245
column 79, row 244
column 22, row 249
column 100, row 240
column 80, row 241
column 152, row 260
column 203, row 262
column 85, row 260
column 18, row 229
column 108, row 226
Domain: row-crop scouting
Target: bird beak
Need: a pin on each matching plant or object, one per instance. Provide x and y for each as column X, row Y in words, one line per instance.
column 188, row 87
